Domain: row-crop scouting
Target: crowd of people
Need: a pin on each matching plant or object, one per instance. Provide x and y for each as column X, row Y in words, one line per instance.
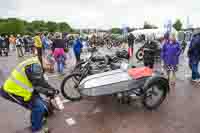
column 50, row 48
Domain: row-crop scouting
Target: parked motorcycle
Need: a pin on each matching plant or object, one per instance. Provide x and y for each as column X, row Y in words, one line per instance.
column 140, row 52
column 92, row 66
column 150, row 86
column 99, row 64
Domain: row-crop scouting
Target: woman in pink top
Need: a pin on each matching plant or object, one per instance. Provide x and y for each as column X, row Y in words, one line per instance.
column 58, row 52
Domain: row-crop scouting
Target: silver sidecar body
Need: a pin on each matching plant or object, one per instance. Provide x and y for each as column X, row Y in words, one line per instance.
column 108, row 83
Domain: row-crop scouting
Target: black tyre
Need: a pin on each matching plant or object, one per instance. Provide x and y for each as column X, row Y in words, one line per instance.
column 140, row 55
column 155, row 94
column 69, row 87
column 109, row 45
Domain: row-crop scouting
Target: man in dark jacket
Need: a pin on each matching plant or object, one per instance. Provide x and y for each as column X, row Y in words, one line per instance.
column 7, row 42
column 131, row 40
column 26, row 45
column 1, row 45
column 194, row 56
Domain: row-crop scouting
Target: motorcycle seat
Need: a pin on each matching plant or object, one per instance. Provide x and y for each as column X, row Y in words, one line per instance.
column 140, row 72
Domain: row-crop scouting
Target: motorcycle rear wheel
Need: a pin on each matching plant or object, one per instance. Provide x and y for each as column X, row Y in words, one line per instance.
column 67, row 91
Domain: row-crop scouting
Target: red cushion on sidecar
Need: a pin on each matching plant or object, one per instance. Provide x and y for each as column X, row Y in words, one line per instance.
column 140, row 72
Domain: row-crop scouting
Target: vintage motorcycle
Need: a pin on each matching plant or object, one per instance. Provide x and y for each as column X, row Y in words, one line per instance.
column 140, row 52
column 98, row 64
column 151, row 86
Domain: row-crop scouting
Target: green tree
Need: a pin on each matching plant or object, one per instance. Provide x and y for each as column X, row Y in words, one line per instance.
column 52, row 26
column 64, row 27
column 12, row 26
column 39, row 26
column 18, row 26
column 116, row 30
column 178, row 25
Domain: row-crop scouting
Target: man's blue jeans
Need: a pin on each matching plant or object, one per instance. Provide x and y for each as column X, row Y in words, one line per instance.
column 39, row 109
column 195, row 72
column 37, row 106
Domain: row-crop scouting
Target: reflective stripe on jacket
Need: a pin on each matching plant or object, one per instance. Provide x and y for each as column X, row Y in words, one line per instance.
column 18, row 83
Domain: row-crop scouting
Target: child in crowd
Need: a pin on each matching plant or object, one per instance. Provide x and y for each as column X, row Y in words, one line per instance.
column 50, row 61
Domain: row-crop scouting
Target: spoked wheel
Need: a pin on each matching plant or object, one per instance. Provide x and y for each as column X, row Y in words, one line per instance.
column 154, row 95
column 109, row 45
column 69, row 87
column 140, row 55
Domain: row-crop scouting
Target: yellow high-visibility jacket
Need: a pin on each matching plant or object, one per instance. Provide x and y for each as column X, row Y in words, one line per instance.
column 37, row 42
column 18, row 83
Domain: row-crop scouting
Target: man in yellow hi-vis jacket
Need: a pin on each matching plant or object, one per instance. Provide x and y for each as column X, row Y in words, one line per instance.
column 23, row 87
column 38, row 46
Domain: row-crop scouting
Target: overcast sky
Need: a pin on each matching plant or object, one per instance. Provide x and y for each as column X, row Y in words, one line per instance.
column 103, row 13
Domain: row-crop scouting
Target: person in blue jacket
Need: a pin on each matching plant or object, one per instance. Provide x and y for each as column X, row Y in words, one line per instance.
column 194, row 56
column 170, row 53
column 45, row 43
column 77, row 46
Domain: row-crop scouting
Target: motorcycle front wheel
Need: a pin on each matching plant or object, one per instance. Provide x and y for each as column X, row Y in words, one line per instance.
column 154, row 95
column 69, row 87
column 140, row 55
column 109, row 45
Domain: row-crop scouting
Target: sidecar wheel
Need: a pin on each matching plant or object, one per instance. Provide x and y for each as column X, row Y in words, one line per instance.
column 69, row 87
column 154, row 95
